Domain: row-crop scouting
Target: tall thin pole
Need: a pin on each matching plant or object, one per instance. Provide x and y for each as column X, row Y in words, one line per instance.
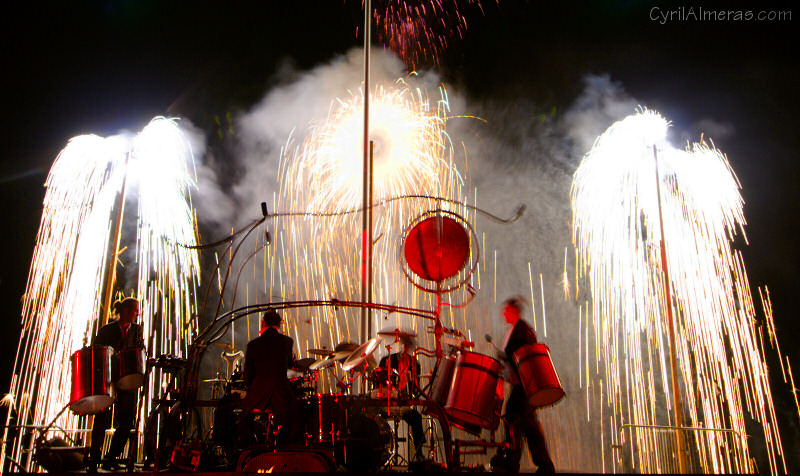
column 369, row 243
column 111, row 277
column 679, row 438
column 365, row 192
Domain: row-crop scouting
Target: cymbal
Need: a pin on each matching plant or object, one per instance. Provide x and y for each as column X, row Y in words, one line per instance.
column 320, row 352
column 216, row 380
column 397, row 333
column 304, row 364
column 341, row 355
column 345, row 346
column 292, row 373
column 358, row 356
column 321, row 364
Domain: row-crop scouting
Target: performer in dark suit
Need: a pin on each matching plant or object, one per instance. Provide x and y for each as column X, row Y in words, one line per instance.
column 520, row 416
column 123, row 333
column 266, row 361
column 405, row 378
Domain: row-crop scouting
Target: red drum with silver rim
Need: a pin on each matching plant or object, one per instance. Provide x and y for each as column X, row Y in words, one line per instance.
column 538, row 375
column 91, row 380
column 130, row 368
column 473, row 391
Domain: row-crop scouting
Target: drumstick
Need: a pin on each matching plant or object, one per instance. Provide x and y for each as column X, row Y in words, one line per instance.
column 500, row 353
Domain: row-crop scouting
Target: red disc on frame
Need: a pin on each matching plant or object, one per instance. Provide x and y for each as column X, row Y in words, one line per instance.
column 437, row 248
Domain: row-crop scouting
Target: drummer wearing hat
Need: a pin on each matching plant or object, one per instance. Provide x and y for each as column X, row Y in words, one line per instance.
column 123, row 333
column 266, row 362
column 520, row 416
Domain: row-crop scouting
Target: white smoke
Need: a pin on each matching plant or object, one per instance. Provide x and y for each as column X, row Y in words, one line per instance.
column 287, row 112
column 602, row 103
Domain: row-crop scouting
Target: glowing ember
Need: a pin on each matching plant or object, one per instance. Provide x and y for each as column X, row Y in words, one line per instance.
column 418, row 31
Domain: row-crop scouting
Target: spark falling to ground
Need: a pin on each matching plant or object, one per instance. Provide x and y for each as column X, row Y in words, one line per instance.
column 62, row 304
column 723, row 377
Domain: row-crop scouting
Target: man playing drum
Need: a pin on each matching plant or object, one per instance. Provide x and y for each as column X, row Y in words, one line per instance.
column 406, row 381
column 266, row 361
column 123, row 333
column 520, row 416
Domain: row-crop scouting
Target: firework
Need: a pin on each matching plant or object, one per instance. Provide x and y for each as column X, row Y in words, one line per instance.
column 412, row 158
column 722, row 373
column 62, row 304
column 418, row 32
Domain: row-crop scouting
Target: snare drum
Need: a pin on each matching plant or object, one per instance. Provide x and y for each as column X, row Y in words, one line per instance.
column 302, row 386
column 473, row 391
column 91, row 380
column 130, row 368
column 538, row 375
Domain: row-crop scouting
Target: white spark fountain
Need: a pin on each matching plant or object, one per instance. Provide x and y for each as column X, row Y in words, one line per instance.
column 723, row 379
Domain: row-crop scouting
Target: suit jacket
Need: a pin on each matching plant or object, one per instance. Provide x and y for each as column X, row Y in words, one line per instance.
column 521, row 334
column 266, row 361
column 111, row 334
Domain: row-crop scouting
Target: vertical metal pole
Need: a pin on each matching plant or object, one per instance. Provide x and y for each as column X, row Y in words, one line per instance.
column 365, row 191
column 111, row 277
column 369, row 244
column 679, row 437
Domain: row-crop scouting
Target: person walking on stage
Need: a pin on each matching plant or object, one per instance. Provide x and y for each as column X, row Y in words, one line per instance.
column 520, row 417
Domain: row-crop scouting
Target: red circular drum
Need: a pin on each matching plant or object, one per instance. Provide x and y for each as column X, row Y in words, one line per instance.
column 130, row 368
column 91, row 380
column 472, row 396
column 538, row 376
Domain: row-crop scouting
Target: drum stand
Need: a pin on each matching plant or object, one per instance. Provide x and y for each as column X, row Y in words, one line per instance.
column 395, row 458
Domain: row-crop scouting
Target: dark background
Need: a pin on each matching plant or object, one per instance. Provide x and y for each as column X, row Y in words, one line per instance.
column 78, row 67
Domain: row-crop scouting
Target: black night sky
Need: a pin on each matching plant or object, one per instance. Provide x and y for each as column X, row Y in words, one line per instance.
column 100, row 66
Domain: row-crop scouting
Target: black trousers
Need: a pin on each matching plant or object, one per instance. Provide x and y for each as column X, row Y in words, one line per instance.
column 414, row 420
column 521, row 422
column 124, row 416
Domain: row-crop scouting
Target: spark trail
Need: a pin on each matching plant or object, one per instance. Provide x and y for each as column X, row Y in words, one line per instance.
column 62, row 304
column 723, row 377
column 318, row 255
column 418, row 32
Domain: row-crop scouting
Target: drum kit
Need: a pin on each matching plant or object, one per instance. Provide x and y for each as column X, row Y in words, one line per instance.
column 465, row 391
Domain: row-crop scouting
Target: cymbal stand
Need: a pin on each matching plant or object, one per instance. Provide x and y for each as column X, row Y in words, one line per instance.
column 395, row 458
column 340, row 382
column 389, row 377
